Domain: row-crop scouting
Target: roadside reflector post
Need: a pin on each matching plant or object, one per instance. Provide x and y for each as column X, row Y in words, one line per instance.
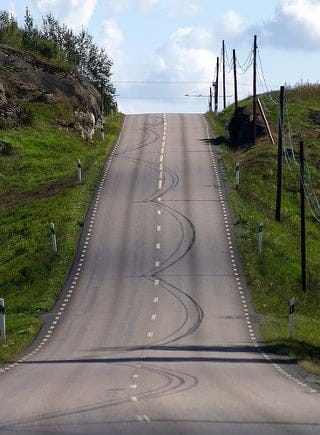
column 2, row 322
column 79, row 171
column 237, row 175
column 260, row 237
column 291, row 317
column 53, row 238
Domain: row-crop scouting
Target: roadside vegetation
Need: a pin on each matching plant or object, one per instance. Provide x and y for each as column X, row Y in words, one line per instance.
column 274, row 276
column 56, row 43
column 38, row 185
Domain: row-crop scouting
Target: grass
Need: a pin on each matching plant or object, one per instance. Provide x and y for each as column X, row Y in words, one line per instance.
column 38, row 186
column 274, row 276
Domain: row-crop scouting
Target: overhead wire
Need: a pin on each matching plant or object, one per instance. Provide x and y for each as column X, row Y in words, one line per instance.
column 306, row 180
column 289, row 153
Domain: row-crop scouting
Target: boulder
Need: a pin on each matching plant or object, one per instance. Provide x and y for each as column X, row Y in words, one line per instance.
column 24, row 77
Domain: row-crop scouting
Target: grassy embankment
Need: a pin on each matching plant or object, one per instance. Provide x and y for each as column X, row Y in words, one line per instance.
column 274, row 276
column 38, row 185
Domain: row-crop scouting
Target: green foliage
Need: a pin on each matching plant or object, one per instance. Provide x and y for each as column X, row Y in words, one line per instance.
column 10, row 33
column 38, row 186
column 55, row 42
column 274, row 276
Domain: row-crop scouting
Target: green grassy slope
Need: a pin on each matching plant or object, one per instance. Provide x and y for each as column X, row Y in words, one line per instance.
column 274, row 276
column 38, row 185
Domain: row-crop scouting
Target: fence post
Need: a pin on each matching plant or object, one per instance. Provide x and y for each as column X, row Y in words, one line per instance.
column 79, row 171
column 291, row 317
column 237, row 175
column 53, row 238
column 260, row 237
column 2, row 322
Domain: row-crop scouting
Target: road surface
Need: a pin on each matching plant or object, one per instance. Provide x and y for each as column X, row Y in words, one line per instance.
column 154, row 331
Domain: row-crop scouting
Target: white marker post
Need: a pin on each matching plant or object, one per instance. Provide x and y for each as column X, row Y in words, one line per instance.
column 79, row 171
column 53, row 238
column 237, row 175
column 291, row 317
column 2, row 322
column 260, row 237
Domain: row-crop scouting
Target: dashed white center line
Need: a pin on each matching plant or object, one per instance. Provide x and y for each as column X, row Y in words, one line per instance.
column 150, row 334
column 156, row 300
column 161, row 157
column 159, row 212
column 157, row 263
column 158, row 246
column 159, row 228
column 153, row 317
column 143, row 418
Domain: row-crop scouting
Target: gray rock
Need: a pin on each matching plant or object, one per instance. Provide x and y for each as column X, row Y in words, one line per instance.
column 28, row 78
column 3, row 98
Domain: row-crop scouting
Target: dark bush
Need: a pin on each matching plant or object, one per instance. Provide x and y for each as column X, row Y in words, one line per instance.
column 241, row 129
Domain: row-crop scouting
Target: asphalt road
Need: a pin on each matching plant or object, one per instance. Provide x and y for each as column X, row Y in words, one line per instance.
column 154, row 331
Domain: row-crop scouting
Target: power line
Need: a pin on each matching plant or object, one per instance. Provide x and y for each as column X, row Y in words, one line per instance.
column 139, row 97
column 155, row 82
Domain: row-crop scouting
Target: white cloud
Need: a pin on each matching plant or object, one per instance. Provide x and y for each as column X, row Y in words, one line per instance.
column 146, row 5
column 232, row 24
column 74, row 13
column 172, row 8
column 113, row 36
column 295, row 25
column 117, row 7
column 112, row 40
column 187, row 55
column 193, row 9
column 175, row 70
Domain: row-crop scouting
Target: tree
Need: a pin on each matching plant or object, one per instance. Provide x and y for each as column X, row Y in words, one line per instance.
column 10, row 33
column 55, row 41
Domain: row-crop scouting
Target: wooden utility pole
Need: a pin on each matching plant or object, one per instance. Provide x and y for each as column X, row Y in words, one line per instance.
column 254, row 101
column 216, row 88
column 224, row 74
column 280, row 156
column 265, row 120
column 303, row 222
column 210, row 99
column 235, row 80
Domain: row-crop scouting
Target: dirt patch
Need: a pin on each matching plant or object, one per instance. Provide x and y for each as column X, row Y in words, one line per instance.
column 42, row 192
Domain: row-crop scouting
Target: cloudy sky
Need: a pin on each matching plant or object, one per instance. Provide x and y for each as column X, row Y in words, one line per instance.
column 164, row 51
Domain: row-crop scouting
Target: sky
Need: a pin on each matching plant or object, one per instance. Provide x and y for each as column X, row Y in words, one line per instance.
column 164, row 51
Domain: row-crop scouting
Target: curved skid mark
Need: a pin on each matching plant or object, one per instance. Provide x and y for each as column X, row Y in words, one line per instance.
column 174, row 382
column 150, row 138
column 155, row 167
column 179, row 294
column 187, row 232
column 183, row 221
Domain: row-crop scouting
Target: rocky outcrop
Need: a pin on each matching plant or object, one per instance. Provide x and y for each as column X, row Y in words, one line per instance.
column 24, row 77
column 86, row 124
